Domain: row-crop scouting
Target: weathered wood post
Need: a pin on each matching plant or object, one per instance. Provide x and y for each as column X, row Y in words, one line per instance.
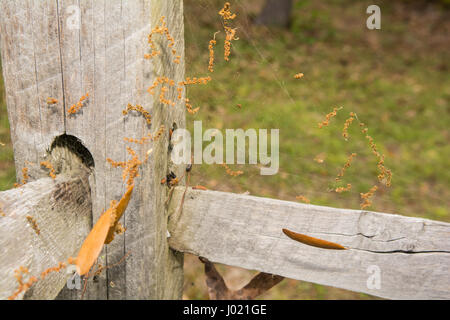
column 65, row 49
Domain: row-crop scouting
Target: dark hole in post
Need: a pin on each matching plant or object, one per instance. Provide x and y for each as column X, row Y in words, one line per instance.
column 74, row 144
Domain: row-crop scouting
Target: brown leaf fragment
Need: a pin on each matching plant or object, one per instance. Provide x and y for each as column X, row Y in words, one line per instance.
column 315, row 242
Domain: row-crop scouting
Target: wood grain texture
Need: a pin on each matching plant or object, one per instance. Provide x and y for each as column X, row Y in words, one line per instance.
column 61, row 209
column 32, row 73
column 45, row 55
column 412, row 254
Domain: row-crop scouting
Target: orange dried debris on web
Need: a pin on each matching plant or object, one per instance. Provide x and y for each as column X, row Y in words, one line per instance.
column 226, row 13
column 152, row 87
column 25, row 175
column 2, row 213
column 131, row 171
column 158, row 81
column 34, row 225
column 231, row 172
column 139, row 109
column 162, row 97
column 230, row 32
column 177, row 60
column 59, row 267
column 51, row 101
column 346, row 166
column 2, row 144
column 195, row 80
column 173, row 182
column 24, row 286
column 25, row 178
column 161, row 30
column 71, row 260
column 191, row 81
column 140, row 141
column 298, row 75
column 77, row 106
column 347, row 124
column 211, row 45
column 367, row 196
column 180, row 93
column 159, row 133
column 189, row 107
column 343, row 189
column 49, row 166
column 328, row 117
column 302, row 199
column 116, row 164
column 385, row 174
column 319, row 158
column 230, row 35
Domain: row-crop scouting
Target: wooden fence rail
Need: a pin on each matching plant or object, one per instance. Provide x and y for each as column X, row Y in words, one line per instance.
column 411, row 256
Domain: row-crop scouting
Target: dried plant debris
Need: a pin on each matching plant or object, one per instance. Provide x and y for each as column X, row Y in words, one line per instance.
column 230, row 32
column 138, row 109
column 211, row 45
column 302, row 198
column 231, row 172
column 77, row 106
column 346, row 166
column 328, row 117
column 25, row 178
column 52, row 101
column 24, row 285
column 366, row 197
column 49, row 166
column 2, row 213
column 34, row 225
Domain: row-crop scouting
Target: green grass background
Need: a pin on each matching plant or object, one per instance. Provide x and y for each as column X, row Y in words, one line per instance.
column 396, row 79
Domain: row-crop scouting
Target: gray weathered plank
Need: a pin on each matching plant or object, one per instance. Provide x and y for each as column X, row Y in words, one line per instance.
column 45, row 54
column 62, row 211
column 411, row 254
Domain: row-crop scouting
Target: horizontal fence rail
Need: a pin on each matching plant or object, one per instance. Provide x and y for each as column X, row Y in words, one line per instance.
column 389, row 256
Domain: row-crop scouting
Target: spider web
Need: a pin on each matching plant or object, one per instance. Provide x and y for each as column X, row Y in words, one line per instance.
column 301, row 172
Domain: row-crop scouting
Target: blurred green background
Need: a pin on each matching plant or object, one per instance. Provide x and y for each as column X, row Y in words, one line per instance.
column 396, row 79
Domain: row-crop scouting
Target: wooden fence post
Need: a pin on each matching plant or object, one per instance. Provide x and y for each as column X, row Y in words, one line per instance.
column 66, row 49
